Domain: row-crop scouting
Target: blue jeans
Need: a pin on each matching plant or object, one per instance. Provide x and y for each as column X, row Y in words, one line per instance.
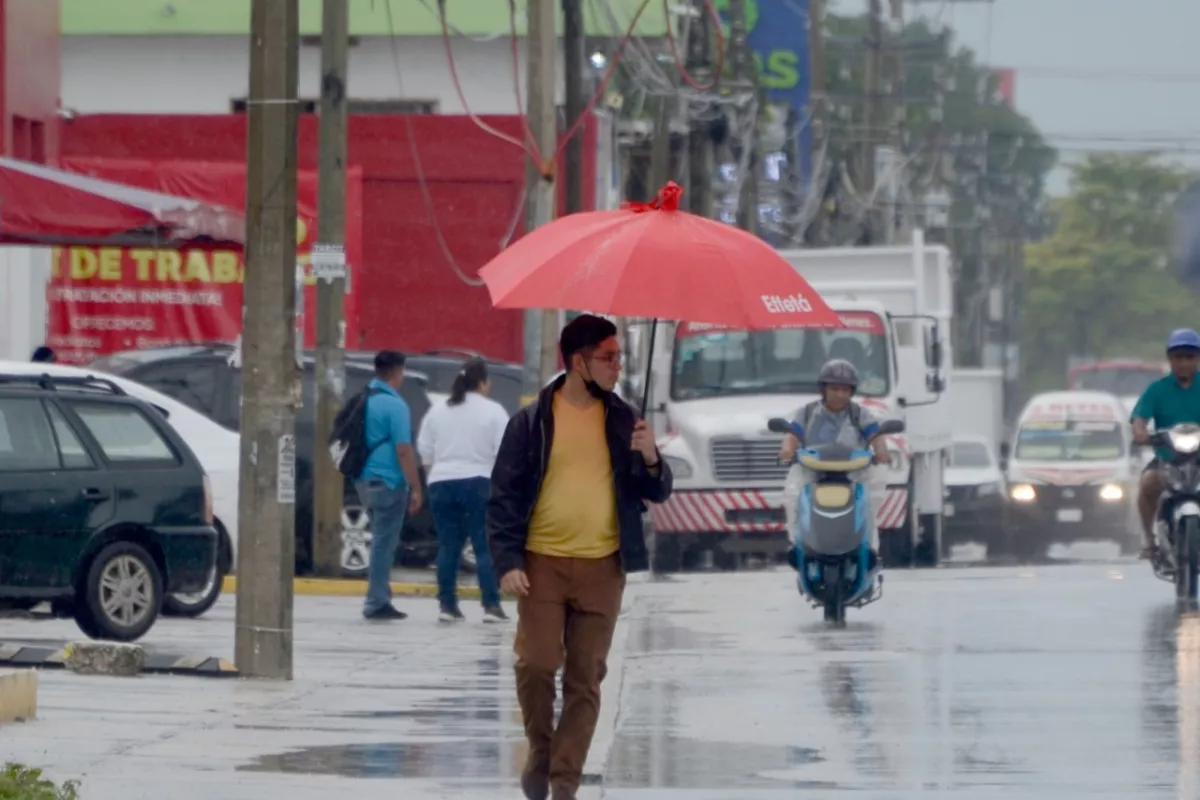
column 387, row 508
column 458, row 513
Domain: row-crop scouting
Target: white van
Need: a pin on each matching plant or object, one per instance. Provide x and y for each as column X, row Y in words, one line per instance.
column 1072, row 474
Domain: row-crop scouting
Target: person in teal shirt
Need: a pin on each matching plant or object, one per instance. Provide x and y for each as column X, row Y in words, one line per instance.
column 1171, row 400
column 389, row 486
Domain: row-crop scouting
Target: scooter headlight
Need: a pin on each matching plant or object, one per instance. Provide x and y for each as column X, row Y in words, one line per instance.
column 1112, row 492
column 1185, row 442
column 1022, row 493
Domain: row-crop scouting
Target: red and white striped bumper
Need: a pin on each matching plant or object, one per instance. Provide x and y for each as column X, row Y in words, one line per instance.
column 689, row 511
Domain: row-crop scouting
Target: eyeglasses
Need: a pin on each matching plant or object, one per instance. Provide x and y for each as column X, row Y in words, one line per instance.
column 611, row 359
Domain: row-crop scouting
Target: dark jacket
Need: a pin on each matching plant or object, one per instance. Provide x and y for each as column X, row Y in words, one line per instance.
column 521, row 466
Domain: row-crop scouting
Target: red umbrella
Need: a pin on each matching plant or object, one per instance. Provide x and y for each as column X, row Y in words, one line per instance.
column 652, row 260
column 41, row 205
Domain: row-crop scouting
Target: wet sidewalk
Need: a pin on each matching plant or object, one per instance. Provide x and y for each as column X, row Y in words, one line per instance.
column 412, row 709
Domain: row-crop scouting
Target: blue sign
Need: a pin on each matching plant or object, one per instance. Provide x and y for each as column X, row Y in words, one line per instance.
column 778, row 36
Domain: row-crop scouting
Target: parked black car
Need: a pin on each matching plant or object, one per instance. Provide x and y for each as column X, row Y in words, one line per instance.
column 441, row 366
column 104, row 510
column 207, row 378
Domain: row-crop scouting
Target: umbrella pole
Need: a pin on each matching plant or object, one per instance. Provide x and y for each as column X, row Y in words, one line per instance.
column 649, row 366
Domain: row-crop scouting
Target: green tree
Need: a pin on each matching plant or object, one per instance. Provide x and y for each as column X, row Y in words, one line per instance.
column 1103, row 285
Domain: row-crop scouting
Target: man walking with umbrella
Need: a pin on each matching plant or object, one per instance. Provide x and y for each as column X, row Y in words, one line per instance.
column 564, row 525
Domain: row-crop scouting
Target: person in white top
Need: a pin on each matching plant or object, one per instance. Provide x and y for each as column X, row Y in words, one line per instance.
column 458, row 443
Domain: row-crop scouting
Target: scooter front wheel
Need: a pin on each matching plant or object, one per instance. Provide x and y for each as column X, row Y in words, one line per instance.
column 835, row 609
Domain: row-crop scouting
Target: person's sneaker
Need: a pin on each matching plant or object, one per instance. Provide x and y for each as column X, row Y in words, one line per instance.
column 385, row 613
column 494, row 614
column 1149, row 552
column 562, row 793
column 450, row 614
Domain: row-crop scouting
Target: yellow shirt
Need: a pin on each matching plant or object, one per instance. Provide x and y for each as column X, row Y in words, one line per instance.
column 576, row 512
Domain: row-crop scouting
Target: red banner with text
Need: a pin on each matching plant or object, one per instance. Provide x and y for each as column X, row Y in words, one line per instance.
column 102, row 300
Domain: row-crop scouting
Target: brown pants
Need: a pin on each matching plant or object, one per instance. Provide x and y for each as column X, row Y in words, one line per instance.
column 1150, row 489
column 567, row 620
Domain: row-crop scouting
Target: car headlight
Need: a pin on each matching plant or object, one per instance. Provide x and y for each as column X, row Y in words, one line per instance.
column 679, row 467
column 1112, row 492
column 1022, row 493
column 1185, row 442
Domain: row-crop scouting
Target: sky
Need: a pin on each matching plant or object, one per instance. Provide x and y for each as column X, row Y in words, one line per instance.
column 1091, row 74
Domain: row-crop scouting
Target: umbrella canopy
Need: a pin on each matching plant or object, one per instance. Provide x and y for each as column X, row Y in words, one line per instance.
column 652, row 260
column 44, row 206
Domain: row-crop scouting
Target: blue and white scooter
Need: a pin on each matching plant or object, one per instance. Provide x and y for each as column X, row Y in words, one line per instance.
column 833, row 532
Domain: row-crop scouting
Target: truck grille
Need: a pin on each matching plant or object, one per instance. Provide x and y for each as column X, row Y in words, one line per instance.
column 752, row 461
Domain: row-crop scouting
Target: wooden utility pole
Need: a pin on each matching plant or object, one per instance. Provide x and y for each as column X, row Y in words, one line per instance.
column 329, row 264
column 541, row 327
column 699, row 195
column 267, row 501
column 576, row 97
column 746, row 77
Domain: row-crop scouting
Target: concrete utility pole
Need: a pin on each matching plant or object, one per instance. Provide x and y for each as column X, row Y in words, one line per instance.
column 267, row 501
column 873, row 90
column 576, row 97
column 541, row 327
column 331, row 286
column 699, row 195
column 818, row 102
column 746, row 77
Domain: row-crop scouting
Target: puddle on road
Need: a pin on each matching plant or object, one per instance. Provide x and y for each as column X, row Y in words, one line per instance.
column 680, row 763
column 496, row 760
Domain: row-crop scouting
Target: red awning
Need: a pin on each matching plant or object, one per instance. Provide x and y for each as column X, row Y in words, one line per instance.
column 44, row 206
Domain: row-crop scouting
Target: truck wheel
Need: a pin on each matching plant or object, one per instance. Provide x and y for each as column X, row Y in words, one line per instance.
column 896, row 544
column 668, row 554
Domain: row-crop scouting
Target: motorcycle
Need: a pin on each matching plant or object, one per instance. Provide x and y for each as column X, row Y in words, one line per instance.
column 1177, row 526
column 833, row 517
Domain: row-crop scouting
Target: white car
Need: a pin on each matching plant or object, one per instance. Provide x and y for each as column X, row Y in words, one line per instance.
column 218, row 451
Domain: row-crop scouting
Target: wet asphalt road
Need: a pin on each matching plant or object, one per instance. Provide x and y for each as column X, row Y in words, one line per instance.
column 1062, row 681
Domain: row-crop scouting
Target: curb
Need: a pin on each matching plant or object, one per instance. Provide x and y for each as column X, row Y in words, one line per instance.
column 20, row 655
column 351, row 587
column 18, row 696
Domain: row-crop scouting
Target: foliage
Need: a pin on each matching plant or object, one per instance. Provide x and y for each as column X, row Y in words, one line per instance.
column 18, row 782
column 1102, row 286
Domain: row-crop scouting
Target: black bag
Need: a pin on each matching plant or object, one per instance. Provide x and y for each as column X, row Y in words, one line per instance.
column 348, row 442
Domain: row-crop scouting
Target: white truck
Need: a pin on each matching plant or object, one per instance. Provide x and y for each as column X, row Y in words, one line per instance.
column 978, row 404
column 714, row 388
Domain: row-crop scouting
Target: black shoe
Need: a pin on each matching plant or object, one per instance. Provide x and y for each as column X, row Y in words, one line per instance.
column 494, row 614
column 450, row 614
column 385, row 613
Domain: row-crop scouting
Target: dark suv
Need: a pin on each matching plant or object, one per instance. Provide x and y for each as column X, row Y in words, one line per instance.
column 104, row 510
column 207, row 378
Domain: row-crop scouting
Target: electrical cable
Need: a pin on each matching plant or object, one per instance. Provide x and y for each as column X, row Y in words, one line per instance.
column 426, row 197
column 462, row 98
column 711, row 10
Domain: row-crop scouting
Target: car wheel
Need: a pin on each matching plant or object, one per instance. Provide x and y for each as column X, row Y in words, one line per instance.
column 467, row 563
column 123, row 593
column 356, row 541
column 182, row 604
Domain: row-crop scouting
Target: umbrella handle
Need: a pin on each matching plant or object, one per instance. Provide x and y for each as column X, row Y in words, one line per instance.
column 649, row 367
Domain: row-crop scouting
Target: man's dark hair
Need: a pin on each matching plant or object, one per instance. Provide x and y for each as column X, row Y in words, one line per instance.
column 583, row 333
column 44, row 354
column 387, row 362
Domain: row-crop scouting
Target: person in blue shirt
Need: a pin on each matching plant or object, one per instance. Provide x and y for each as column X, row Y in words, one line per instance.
column 389, row 487
column 1171, row 400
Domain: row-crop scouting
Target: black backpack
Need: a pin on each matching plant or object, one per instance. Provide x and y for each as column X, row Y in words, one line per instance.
column 348, row 442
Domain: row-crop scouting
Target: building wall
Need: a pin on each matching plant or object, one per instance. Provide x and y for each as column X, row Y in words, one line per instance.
column 202, row 74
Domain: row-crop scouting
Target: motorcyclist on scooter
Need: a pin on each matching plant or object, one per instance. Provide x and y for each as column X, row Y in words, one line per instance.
column 835, row 418
column 1169, row 401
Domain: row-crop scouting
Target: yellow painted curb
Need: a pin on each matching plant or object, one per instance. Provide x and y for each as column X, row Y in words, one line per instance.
column 348, row 587
column 18, row 696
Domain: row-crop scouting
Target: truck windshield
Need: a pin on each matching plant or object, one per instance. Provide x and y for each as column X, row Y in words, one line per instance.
column 970, row 454
column 1070, row 440
column 712, row 360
